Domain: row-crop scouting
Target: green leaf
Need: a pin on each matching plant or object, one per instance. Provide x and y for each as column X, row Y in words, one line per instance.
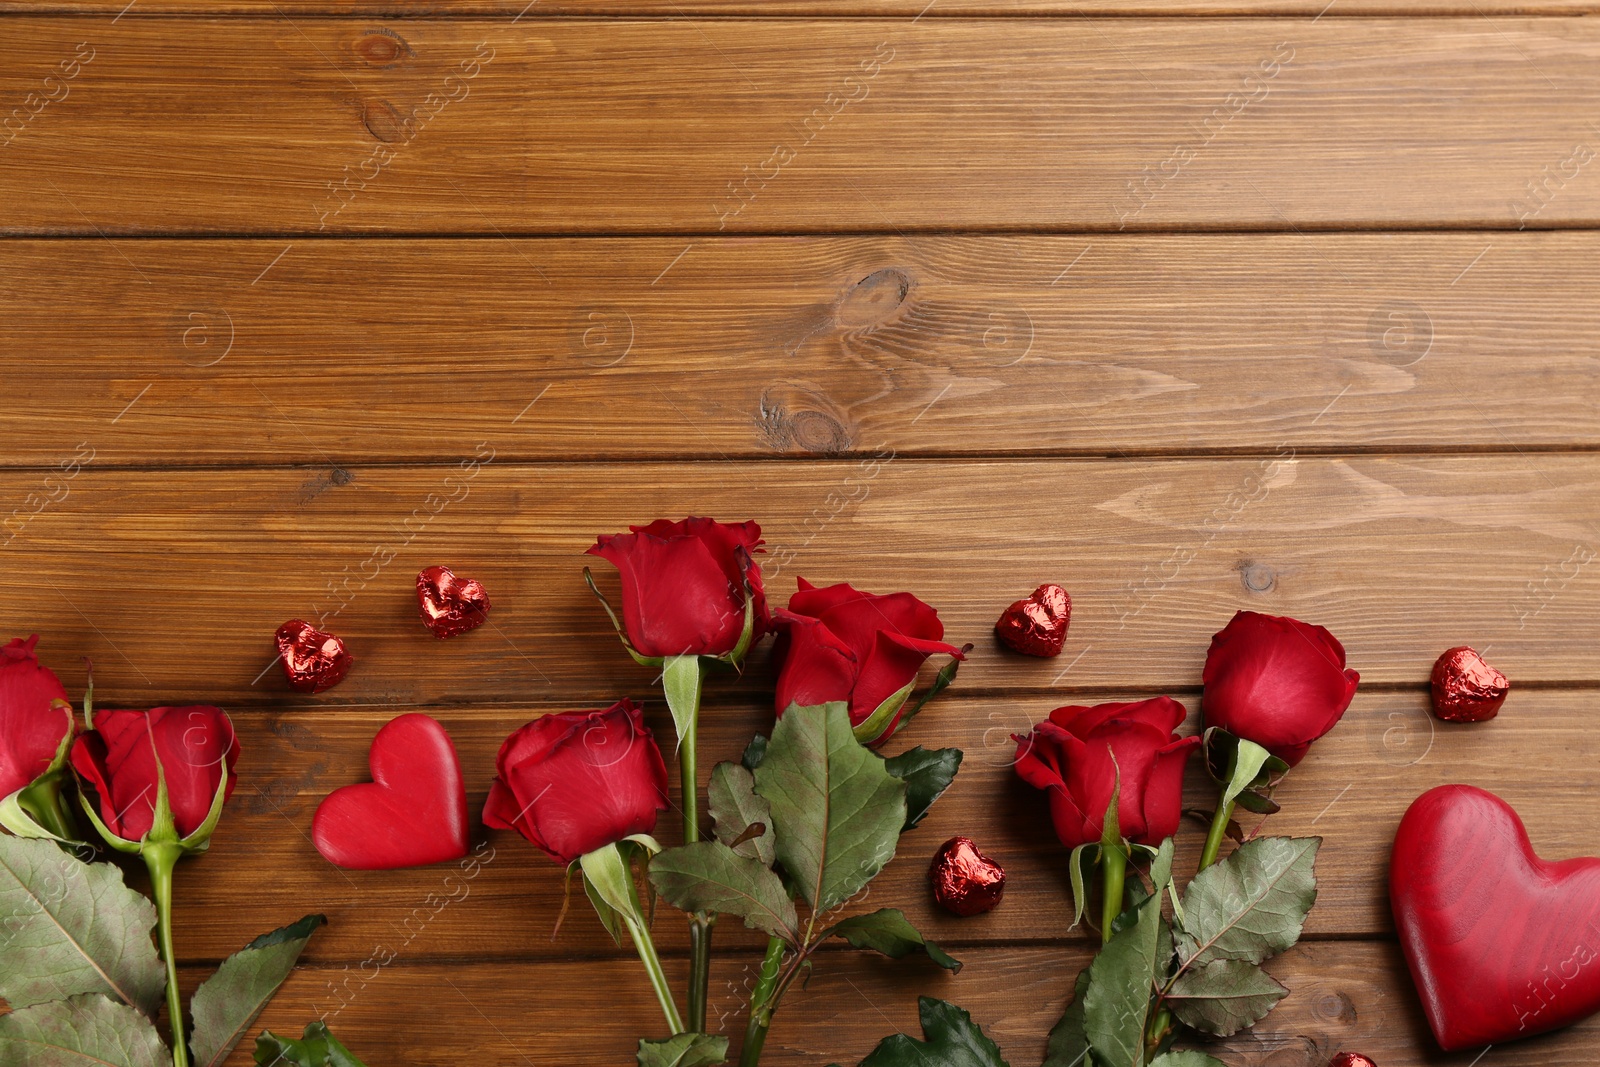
column 72, row 927
column 684, row 1050
column 1121, row 978
column 317, row 1048
column 1069, row 1045
column 736, row 811
column 872, row 728
column 89, row 1030
column 754, row 752
column 228, row 1002
column 888, row 931
column 836, row 810
column 1253, row 904
column 1186, row 1058
column 710, row 876
column 952, row 1039
column 927, row 773
column 1224, row 996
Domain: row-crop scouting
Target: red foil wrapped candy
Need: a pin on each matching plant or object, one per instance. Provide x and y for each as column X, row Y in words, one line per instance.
column 1351, row 1059
column 312, row 660
column 1038, row 625
column 965, row 881
column 449, row 605
column 1465, row 688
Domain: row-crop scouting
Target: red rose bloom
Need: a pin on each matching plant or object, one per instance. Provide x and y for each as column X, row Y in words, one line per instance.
column 1070, row 756
column 576, row 781
column 32, row 722
column 1278, row 682
column 118, row 757
column 838, row 643
column 683, row 584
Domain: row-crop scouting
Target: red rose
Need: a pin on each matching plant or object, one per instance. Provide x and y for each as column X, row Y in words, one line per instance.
column 683, row 584
column 1070, row 755
column 576, row 781
column 838, row 643
column 1278, row 682
column 33, row 721
column 119, row 757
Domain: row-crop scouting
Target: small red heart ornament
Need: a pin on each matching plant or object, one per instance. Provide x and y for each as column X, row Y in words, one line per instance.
column 450, row 605
column 312, row 660
column 412, row 813
column 1038, row 625
column 1466, row 688
column 1501, row 944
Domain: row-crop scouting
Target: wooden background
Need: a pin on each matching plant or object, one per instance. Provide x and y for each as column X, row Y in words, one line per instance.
column 1189, row 305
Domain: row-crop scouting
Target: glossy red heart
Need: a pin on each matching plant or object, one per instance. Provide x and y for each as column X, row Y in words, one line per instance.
column 450, row 605
column 412, row 813
column 1038, row 625
column 1501, row 943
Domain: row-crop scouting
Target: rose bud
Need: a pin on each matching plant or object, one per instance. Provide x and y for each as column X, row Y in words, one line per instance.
column 1079, row 755
column 836, row 643
column 141, row 761
column 35, row 732
column 1278, row 682
column 688, row 588
column 576, row 781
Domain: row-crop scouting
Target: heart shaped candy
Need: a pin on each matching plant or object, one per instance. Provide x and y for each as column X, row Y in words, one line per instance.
column 312, row 660
column 965, row 881
column 1501, row 944
column 1037, row 626
column 412, row 813
column 450, row 605
column 1465, row 688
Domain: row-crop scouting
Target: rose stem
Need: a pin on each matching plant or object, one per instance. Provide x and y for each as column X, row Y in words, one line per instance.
column 161, row 859
column 1219, row 829
column 761, row 1004
column 1114, row 867
column 688, row 721
column 658, row 977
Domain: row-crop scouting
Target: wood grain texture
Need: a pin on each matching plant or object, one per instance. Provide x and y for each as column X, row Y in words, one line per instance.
column 298, row 352
column 695, row 126
column 919, row 9
column 1158, row 554
column 1345, row 996
column 1385, row 753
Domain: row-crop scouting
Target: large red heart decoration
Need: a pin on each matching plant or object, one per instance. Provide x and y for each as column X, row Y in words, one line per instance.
column 1501, row 943
column 412, row 813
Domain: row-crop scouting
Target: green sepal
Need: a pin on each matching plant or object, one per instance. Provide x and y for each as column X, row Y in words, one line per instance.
column 941, row 682
column 616, row 624
column 681, row 680
column 874, row 727
column 21, row 811
column 735, row 656
column 1084, row 854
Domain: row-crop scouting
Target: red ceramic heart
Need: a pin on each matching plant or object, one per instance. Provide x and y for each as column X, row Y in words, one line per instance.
column 1501, row 944
column 1038, row 625
column 312, row 660
column 412, row 813
column 1465, row 688
column 450, row 605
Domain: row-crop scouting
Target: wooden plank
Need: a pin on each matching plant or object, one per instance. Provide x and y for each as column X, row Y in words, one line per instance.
column 1344, row 996
column 753, row 346
column 1352, row 792
column 695, row 126
column 1401, row 558
column 920, row 9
